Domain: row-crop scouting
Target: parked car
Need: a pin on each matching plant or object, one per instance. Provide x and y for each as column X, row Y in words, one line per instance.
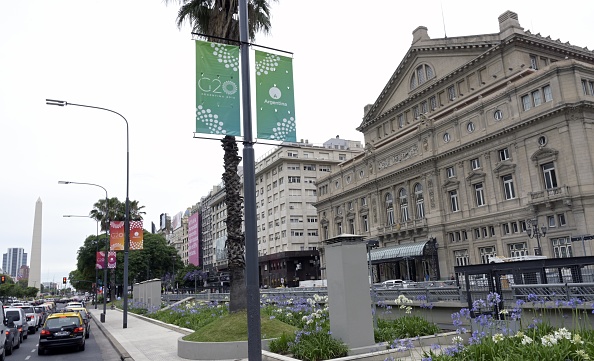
column 397, row 283
column 19, row 317
column 32, row 317
column 13, row 337
column 62, row 329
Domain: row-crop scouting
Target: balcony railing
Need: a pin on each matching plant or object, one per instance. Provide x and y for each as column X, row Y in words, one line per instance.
column 410, row 225
column 551, row 194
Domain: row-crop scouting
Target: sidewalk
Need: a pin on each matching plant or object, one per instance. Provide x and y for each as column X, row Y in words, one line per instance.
column 141, row 340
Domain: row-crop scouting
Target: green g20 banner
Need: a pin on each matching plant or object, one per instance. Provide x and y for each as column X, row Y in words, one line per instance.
column 275, row 104
column 217, row 89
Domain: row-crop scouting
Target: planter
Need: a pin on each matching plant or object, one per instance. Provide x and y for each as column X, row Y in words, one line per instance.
column 215, row 350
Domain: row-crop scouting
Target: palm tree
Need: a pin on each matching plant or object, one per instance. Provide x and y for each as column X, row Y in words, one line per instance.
column 114, row 210
column 218, row 21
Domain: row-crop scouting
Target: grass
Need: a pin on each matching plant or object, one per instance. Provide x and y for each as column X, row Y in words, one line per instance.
column 233, row 327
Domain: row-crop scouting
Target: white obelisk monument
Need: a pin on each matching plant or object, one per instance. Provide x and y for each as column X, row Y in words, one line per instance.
column 35, row 265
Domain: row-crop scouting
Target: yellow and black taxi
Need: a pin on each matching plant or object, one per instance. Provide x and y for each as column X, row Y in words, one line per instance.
column 86, row 316
column 62, row 329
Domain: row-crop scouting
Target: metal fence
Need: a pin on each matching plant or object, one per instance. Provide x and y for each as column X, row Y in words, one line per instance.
column 557, row 279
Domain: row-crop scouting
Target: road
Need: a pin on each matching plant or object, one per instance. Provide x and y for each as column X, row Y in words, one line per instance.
column 97, row 348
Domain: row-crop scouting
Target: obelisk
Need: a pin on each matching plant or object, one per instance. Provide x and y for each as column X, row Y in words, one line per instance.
column 35, row 265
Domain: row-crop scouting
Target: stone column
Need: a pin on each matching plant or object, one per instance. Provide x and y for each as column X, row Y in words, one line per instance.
column 349, row 296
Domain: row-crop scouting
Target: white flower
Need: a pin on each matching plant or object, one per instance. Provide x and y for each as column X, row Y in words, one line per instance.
column 577, row 339
column 497, row 337
column 548, row 340
column 457, row 340
column 503, row 312
column 408, row 310
column 582, row 354
column 562, row 333
column 309, row 322
column 289, row 314
column 526, row 340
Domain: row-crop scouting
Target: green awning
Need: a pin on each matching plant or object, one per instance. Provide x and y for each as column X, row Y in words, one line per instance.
column 400, row 251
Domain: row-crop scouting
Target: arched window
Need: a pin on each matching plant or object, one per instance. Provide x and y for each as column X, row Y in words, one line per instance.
column 389, row 209
column 419, row 201
column 403, row 205
column 421, row 74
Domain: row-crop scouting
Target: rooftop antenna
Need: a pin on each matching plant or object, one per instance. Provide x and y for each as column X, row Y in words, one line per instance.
column 443, row 20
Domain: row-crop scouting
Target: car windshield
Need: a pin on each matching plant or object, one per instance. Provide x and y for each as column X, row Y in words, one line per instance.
column 16, row 315
column 38, row 309
column 62, row 321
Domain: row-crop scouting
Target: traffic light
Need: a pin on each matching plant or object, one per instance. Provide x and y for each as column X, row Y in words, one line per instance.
column 3, row 279
column 64, row 280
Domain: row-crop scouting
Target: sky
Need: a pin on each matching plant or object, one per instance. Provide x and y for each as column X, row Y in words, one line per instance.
column 129, row 56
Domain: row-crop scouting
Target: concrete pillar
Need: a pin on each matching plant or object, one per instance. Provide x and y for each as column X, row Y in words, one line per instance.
column 349, row 298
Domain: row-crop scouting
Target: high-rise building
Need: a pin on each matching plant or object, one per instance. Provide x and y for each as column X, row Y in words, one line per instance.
column 474, row 143
column 287, row 221
column 12, row 261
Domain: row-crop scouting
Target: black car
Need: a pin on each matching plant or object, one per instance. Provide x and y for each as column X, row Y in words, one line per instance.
column 13, row 337
column 65, row 329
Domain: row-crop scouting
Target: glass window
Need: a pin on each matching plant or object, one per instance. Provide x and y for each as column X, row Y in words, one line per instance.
column 518, row 249
column 461, row 257
column 562, row 247
column 479, row 193
column 424, row 108
column 451, row 92
column 550, row 179
column 446, row 137
column 470, row 127
column 487, row 253
column 536, row 98
column 526, row 102
column 561, row 220
column 403, row 205
column 419, row 201
column 400, row 118
column 389, row 209
column 455, row 207
column 365, row 223
column 450, row 172
column 508, row 186
column 551, row 221
column 433, row 103
column 475, row 164
column 548, row 95
column 503, row 154
column 534, row 62
column 498, row 114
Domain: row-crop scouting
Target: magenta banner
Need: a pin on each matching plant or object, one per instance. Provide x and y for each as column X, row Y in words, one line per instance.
column 193, row 239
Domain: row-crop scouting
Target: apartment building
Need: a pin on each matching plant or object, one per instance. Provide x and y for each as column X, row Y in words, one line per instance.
column 475, row 143
column 287, row 221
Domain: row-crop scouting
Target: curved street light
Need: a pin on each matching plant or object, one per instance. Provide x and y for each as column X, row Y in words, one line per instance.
column 106, row 243
column 63, row 103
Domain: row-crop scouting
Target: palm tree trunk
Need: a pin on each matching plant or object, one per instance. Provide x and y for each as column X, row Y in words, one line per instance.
column 235, row 242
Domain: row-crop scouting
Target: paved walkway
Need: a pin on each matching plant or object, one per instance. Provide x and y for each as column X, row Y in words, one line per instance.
column 141, row 340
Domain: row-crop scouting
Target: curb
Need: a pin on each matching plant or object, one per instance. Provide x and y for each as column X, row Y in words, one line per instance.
column 124, row 355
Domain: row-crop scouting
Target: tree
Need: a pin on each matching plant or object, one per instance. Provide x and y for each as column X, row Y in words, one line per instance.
column 217, row 20
column 114, row 210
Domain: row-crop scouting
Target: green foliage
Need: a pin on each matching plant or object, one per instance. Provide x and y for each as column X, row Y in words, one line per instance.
column 403, row 327
column 319, row 345
column 282, row 344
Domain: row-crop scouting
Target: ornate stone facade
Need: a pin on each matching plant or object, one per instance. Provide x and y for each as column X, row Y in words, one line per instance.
column 470, row 138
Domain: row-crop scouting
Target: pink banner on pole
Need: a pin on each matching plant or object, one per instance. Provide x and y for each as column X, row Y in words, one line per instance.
column 111, row 259
column 116, row 235
column 136, row 235
column 193, row 239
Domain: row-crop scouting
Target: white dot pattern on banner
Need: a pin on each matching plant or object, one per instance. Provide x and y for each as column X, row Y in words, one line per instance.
column 225, row 57
column 283, row 129
column 267, row 65
column 210, row 120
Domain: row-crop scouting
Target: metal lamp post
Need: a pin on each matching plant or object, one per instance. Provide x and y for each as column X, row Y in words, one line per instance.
column 535, row 232
column 106, row 241
column 63, row 103
column 96, row 250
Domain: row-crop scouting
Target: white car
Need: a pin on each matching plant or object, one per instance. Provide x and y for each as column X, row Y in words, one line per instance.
column 398, row 283
column 32, row 317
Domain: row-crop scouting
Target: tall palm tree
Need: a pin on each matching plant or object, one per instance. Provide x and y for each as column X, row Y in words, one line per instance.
column 113, row 210
column 218, row 21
